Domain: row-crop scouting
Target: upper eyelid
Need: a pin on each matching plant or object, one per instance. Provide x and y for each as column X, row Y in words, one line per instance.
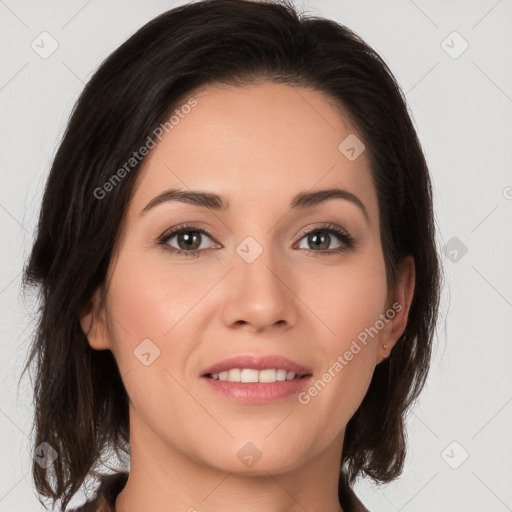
column 329, row 226
column 180, row 229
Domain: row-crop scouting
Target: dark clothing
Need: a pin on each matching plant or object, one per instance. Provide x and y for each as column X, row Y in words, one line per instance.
column 111, row 485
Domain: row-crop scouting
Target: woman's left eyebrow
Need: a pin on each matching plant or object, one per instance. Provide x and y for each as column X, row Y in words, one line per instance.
column 302, row 200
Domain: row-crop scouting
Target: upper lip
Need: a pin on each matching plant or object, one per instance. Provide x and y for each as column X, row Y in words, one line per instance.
column 257, row 363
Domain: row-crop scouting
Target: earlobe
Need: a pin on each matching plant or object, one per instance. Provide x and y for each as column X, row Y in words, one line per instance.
column 401, row 306
column 93, row 323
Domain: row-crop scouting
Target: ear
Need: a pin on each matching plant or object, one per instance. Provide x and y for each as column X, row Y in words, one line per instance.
column 398, row 308
column 93, row 320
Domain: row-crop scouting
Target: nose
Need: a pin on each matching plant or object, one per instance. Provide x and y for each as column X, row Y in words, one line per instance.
column 259, row 295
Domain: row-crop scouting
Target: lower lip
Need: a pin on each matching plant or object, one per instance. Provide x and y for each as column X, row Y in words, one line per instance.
column 256, row 392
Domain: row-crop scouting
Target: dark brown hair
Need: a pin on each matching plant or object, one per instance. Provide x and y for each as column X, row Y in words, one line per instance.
column 81, row 406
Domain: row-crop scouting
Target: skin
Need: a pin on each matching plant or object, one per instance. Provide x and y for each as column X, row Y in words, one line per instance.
column 258, row 146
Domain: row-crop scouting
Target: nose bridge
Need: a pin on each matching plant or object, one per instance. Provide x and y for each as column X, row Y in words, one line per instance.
column 259, row 291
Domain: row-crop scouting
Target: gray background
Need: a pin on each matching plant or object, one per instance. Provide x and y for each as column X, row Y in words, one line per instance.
column 461, row 104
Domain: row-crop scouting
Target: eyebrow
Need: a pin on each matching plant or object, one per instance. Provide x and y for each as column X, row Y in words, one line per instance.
column 217, row 202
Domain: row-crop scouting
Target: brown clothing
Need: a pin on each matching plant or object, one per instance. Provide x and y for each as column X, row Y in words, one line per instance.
column 111, row 485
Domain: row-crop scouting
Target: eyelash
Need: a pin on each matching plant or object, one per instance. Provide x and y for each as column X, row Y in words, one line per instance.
column 347, row 241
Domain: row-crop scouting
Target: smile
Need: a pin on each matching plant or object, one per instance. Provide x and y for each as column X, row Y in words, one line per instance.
column 251, row 375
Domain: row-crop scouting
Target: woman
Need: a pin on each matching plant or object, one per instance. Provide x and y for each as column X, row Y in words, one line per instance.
column 240, row 282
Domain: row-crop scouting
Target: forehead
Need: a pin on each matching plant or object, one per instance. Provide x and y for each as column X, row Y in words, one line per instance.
column 258, row 146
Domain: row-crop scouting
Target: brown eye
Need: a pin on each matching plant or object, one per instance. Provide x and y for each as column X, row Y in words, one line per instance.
column 186, row 241
column 320, row 239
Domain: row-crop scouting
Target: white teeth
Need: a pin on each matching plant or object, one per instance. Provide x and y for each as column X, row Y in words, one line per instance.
column 234, row 375
column 250, row 375
column 281, row 375
column 267, row 376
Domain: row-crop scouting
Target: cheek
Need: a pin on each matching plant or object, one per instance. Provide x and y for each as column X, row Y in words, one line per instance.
column 148, row 315
column 149, row 301
column 348, row 299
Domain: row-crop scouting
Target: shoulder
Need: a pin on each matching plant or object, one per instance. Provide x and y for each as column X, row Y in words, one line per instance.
column 105, row 497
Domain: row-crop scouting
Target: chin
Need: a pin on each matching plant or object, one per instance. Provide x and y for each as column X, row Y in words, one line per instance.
column 257, row 458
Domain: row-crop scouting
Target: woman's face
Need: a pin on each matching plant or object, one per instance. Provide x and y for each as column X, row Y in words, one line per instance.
column 261, row 283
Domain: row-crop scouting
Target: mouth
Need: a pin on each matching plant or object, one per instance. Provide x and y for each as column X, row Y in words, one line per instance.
column 256, row 368
column 251, row 379
column 251, row 375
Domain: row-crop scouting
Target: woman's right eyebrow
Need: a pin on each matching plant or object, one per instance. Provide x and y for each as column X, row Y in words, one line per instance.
column 302, row 200
column 195, row 197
